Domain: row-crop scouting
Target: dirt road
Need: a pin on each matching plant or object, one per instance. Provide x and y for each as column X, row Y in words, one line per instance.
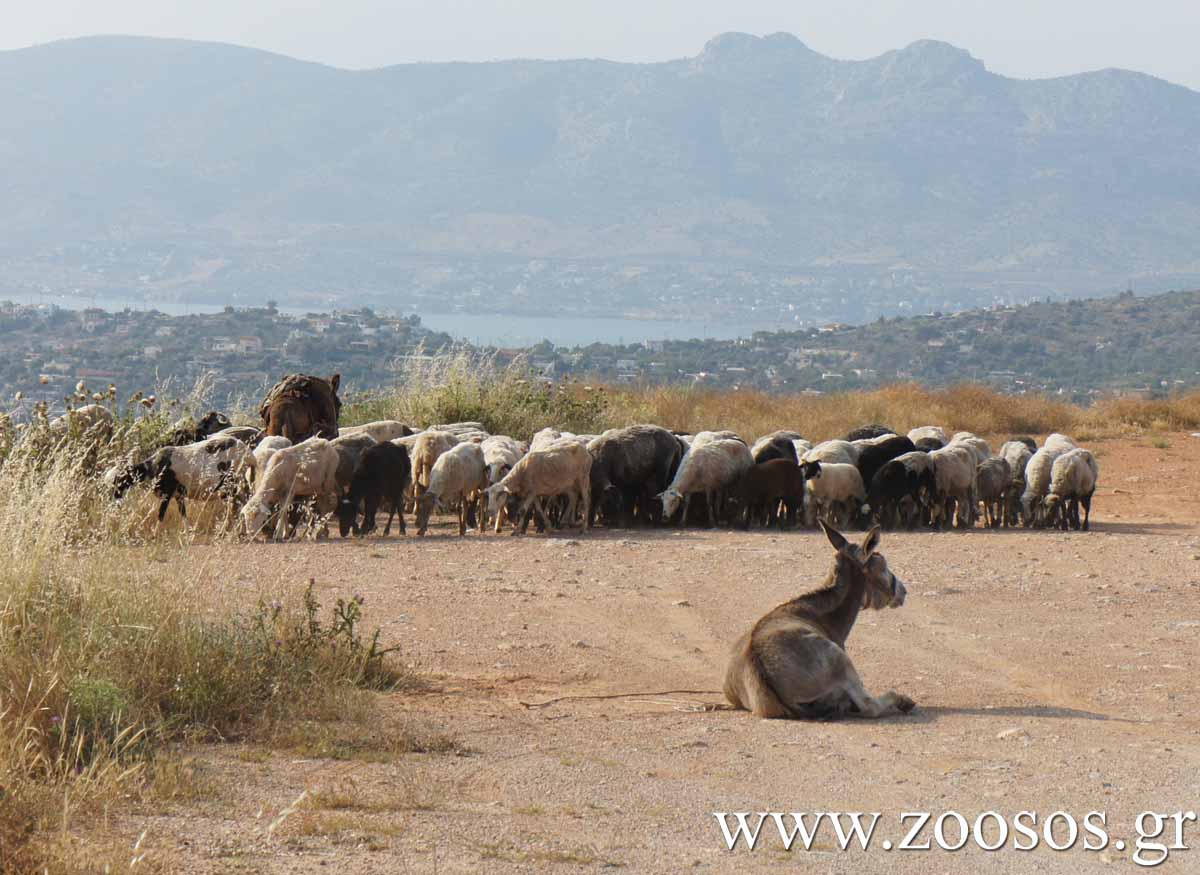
column 1053, row 672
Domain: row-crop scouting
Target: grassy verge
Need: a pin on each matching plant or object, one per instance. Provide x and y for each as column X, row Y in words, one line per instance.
column 108, row 658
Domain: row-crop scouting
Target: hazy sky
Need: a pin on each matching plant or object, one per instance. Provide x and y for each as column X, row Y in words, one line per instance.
column 1025, row 38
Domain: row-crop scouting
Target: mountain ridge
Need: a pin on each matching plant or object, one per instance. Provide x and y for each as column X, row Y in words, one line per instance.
column 756, row 151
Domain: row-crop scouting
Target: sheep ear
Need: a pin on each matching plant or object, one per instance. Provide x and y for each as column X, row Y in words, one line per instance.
column 870, row 542
column 835, row 537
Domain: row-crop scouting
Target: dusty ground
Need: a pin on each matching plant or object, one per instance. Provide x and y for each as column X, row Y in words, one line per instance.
column 1052, row 672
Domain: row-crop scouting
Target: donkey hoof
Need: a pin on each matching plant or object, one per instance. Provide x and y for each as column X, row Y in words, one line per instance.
column 904, row 704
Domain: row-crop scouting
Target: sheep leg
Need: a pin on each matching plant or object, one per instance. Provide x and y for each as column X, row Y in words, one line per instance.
column 162, row 508
column 524, row 512
column 708, row 502
column 1086, row 501
column 540, row 511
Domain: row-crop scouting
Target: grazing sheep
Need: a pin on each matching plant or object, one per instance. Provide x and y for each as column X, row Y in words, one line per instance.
column 1037, row 483
column 458, row 476
column 350, row 448
column 712, row 465
column 929, row 433
column 92, row 420
column 868, row 432
column 457, row 428
column 561, row 468
column 629, row 467
column 954, row 471
column 305, row 470
column 382, row 473
column 978, row 446
column 544, row 438
column 874, row 456
column 1060, row 442
column 836, row 492
column 993, row 480
column 500, row 453
column 835, row 452
column 1027, row 441
column 266, row 448
column 1073, row 481
column 189, row 431
column 764, row 486
column 382, row 430
column 425, row 450
column 776, row 445
column 928, row 444
column 1017, row 453
column 250, row 435
column 201, row 470
column 902, row 489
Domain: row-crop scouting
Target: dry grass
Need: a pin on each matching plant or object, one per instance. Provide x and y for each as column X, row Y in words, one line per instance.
column 108, row 657
column 507, row 399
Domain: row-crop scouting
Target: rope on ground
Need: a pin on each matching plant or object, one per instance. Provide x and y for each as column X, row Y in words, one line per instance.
column 706, row 707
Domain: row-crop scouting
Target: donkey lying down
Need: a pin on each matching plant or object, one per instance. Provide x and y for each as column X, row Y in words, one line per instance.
column 793, row 663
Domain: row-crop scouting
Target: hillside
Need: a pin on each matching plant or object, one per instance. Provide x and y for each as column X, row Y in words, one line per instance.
column 758, row 178
column 1078, row 348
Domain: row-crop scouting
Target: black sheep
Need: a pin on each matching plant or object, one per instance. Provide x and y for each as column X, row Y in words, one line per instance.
column 629, row 467
column 777, row 445
column 383, row 471
column 866, row 432
column 764, row 486
column 897, row 480
column 874, row 457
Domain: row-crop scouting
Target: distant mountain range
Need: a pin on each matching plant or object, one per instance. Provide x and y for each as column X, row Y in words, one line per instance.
column 757, row 180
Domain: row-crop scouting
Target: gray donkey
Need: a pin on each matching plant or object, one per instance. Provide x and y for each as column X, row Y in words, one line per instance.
column 793, row 663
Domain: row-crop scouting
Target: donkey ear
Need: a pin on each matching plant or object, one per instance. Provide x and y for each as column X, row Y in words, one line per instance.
column 335, row 381
column 870, row 542
column 835, row 537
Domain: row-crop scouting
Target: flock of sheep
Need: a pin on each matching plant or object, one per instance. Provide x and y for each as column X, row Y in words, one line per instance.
column 642, row 473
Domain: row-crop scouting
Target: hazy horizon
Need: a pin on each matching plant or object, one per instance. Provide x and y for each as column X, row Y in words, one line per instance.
column 1024, row 39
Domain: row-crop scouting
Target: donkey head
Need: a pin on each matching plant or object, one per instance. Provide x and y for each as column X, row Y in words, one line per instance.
column 883, row 589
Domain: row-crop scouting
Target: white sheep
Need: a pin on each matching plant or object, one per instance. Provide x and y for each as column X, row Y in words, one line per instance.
column 1017, row 454
column 459, row 475
column 1059, row 442
column 711, row 465
column 1037, row 483
column 93, row 420
column 978, row 446
column 836, row 452
column 306, row 470
column 1073, row 481
column 954, row 472
column 500, row 453
column 835, row 492
column 424, row 453
column 543, row 438
column 382, row 430
column 562, row 467
column 926, row 432
column 266, row 448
